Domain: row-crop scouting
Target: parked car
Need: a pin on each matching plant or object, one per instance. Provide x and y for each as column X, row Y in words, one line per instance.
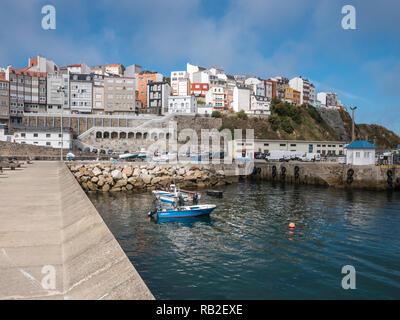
column 259, row 155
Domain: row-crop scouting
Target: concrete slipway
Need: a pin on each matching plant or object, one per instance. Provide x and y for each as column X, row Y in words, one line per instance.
column 54, row 244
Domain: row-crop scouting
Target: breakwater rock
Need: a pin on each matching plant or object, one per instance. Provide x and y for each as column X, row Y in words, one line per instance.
column 108, row 177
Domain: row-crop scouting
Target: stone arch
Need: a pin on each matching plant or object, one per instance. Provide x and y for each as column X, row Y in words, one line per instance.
column 131, row 135
column 114, row 135
column 153, row 136
column 106, row 135
column 99, row 135
column 138, row 135
column 122, row 135
column 145, row 135
column 161, row 135
column 167, row 136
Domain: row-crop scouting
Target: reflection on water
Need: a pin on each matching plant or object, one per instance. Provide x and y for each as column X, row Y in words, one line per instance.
column 245, row 249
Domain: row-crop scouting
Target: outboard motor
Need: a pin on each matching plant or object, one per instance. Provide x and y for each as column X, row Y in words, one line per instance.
column 152, row 212
column 181, row 201
column 195, row 198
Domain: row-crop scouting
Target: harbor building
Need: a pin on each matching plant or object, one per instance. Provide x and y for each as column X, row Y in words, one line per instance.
column 360, row 153
column 326, row 148
column 43, row 136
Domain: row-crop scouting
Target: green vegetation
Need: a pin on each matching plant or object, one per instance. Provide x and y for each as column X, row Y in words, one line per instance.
column 285, row 122
column 216, row 114
column 242, row 115
column 167, row 79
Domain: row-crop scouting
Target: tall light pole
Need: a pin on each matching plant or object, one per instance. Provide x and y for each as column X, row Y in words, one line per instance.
column 352, row 127
column 62, row 91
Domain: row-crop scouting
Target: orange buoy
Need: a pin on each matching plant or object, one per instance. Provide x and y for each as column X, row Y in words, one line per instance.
column 292, row 225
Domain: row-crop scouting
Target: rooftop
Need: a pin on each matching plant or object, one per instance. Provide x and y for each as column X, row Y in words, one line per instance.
column 361, row 144
column 56, row 129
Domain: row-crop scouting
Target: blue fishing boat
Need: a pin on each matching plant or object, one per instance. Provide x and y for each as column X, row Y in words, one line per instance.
column 184, row 211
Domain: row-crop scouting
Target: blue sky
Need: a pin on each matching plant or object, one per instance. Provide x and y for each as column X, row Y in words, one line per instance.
column 258, row 37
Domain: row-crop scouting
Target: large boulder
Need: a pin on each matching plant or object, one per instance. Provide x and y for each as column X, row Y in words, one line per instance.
column 116, row 174
column 127, row 171
column 96, row 171
column 121, row 183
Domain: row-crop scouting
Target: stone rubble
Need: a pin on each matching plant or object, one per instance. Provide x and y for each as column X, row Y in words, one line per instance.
column 110, row 177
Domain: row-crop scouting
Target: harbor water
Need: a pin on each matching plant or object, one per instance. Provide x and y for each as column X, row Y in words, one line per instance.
column 245, row 249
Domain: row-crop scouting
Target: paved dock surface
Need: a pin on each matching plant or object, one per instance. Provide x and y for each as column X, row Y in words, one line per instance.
column 53, row 242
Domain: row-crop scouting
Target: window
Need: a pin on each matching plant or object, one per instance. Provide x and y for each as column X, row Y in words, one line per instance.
column 23, row 135
column 47, row 135
column 283, row 144
column 366, row 154
column 266, row 144
column 357, row 154
column 48, row 143
column 35, row 135
column 292, row 144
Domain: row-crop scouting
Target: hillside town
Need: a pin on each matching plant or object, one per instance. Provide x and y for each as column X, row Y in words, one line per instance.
column 44, row 87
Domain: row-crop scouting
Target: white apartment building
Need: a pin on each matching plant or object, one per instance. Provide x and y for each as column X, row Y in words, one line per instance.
column 205, row 109
column 257, row 86
column 259, row 105
column 192, row 69
column 44, row 136
column 115, row 69
column 241, row 99
column 328, row 99
column 180, row 83
column 202, row 76
column 41, row 64
column 81, row 90
column 56, row 99
column 216, row 97
column 182, row 104
column 306, row 88
column 78, row 68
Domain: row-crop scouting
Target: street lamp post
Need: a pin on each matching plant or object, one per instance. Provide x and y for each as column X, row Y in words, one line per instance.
column 352, row 127
column 62, row 91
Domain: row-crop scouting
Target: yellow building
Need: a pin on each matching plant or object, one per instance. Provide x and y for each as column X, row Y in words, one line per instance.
column 292, row 96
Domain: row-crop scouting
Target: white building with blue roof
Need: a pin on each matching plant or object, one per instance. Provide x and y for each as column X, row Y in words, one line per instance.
column 360, row 153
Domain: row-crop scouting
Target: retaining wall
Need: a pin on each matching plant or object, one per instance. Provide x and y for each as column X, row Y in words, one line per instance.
column 330, row 174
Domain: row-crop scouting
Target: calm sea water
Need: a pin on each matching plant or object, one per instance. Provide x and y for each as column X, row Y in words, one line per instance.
column 245, row 249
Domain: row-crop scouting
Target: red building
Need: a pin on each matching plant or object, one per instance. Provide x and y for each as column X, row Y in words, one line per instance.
column 199, row 89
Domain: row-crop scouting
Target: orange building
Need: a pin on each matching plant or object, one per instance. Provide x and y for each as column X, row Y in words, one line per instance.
column 292, row 96
column 144, row 78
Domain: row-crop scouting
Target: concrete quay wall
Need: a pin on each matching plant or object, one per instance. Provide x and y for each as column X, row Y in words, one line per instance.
column 50, row 230
column 330, row 174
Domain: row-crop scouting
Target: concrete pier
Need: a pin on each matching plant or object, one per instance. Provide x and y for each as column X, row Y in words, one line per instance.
column 54, row 244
